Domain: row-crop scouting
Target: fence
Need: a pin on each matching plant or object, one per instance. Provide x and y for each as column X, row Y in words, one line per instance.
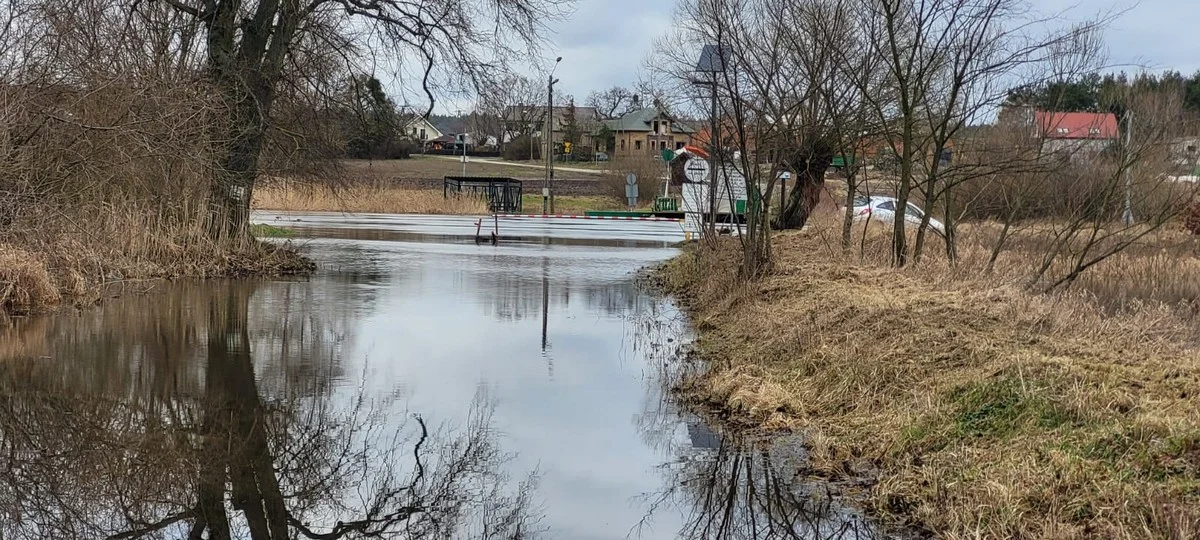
column 502, row 194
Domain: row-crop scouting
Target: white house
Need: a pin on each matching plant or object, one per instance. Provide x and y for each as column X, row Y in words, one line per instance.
column 419, row 129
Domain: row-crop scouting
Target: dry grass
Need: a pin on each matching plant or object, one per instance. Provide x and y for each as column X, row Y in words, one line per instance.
column 25, row 284
column 364, row 197
column 984, row 410
column 573, row 204
column 59, row 259
column 433, row 167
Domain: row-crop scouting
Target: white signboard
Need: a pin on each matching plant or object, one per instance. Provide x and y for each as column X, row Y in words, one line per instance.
column 731, row 185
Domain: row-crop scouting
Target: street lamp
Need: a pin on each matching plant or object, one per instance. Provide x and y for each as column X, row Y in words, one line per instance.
column 712, row 62
column 548, row 188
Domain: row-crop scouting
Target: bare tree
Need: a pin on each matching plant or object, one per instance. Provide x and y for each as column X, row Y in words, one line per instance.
column 249, row 47
column 611, row 103
column 950, row 62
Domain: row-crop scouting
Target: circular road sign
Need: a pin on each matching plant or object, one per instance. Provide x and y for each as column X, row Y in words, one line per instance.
column 696, row 170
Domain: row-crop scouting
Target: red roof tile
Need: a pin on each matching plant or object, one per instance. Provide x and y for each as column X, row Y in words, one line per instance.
column 1076, row 125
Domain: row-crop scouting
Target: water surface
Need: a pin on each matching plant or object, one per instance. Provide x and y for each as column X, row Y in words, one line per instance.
column 417, row 379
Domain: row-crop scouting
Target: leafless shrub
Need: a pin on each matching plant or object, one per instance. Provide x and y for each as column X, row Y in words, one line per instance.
column 651, row 174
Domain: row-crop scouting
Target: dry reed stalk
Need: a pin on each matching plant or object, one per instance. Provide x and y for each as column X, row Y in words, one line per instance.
column 365, row 198
column 25, row 284
column 984, row 410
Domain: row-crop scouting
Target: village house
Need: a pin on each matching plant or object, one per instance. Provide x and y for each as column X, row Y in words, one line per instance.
column 648, row 131
column 1077, row 133
column 531, row 119
column 421, row 130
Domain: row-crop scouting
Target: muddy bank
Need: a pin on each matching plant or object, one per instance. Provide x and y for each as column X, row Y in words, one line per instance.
column 979, row 410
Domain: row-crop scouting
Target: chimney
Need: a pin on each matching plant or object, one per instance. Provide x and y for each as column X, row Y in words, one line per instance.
column 637, row 101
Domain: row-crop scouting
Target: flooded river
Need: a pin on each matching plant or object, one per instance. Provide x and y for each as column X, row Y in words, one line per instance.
column 417, row 386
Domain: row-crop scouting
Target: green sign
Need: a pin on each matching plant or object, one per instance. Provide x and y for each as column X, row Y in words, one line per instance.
column 668, row 154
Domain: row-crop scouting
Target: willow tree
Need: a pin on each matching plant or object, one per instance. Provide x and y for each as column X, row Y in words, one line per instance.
column 252, row 47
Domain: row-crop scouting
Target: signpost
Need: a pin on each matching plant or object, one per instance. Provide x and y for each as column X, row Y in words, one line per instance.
column 696, row 170
column 631, row 190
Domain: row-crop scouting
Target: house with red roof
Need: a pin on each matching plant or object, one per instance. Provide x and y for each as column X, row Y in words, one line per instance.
column 1076, row 132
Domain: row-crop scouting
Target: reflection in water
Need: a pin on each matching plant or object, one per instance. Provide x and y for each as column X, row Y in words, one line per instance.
column 727, row 486
column 741, row 491
column 209, row 452
column 280, row 409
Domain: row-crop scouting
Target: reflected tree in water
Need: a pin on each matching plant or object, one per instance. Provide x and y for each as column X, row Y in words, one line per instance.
column 737, row 491
column 725, row 486
column 231, row 461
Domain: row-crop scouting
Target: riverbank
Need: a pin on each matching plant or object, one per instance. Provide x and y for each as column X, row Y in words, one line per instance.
column 38, row 273
column 975, row 408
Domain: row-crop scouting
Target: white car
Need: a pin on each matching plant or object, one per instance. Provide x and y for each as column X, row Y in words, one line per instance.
column 883, row 209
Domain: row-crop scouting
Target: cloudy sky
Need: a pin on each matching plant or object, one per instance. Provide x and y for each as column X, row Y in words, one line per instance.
column 605, row 41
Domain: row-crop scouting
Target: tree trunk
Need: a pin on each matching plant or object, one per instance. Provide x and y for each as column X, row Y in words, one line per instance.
column 848, row 213
column 233, row 185
column 803, row 198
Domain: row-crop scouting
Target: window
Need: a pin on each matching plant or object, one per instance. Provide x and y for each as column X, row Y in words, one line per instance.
column 888, row 205
column 622, row 144
column 422, row 133
column 914, row 211
column 656, row 126
column 1063, row 131
column 1093, row 131
column 678, row 146
column 861, row 201
column 637, row 145
column 1191, row 149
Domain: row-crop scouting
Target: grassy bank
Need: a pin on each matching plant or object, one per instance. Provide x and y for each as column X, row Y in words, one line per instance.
column 981, row 410
column 379, row 197
column 43, row 267
column 364, row 197
column 572, row 204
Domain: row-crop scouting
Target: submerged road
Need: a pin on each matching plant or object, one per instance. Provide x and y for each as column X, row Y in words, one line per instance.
column 461, row 229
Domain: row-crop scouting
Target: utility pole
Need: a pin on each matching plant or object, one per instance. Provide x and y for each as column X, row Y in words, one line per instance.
column 1128, row 214
column 712, row 62
column 548, row 186
column 462, row 139
column 713, row 152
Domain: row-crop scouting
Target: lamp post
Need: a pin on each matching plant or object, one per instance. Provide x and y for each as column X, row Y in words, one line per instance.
column 711, row 63
column 548, row 188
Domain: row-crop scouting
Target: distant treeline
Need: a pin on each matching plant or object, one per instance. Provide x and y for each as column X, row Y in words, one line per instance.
column 1108, row 93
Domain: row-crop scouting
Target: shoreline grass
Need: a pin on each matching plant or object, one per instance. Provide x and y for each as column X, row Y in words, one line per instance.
column 982, row 410
column 38, row 274
column 366, row 198
column 371, row 197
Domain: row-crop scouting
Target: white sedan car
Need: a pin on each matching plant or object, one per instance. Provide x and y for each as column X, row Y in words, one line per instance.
column 883, row 209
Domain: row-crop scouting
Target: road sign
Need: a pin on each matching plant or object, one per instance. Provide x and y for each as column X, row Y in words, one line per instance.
column 667, row 154
column 631, row 180
column 631, row 189
column 696, row 170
